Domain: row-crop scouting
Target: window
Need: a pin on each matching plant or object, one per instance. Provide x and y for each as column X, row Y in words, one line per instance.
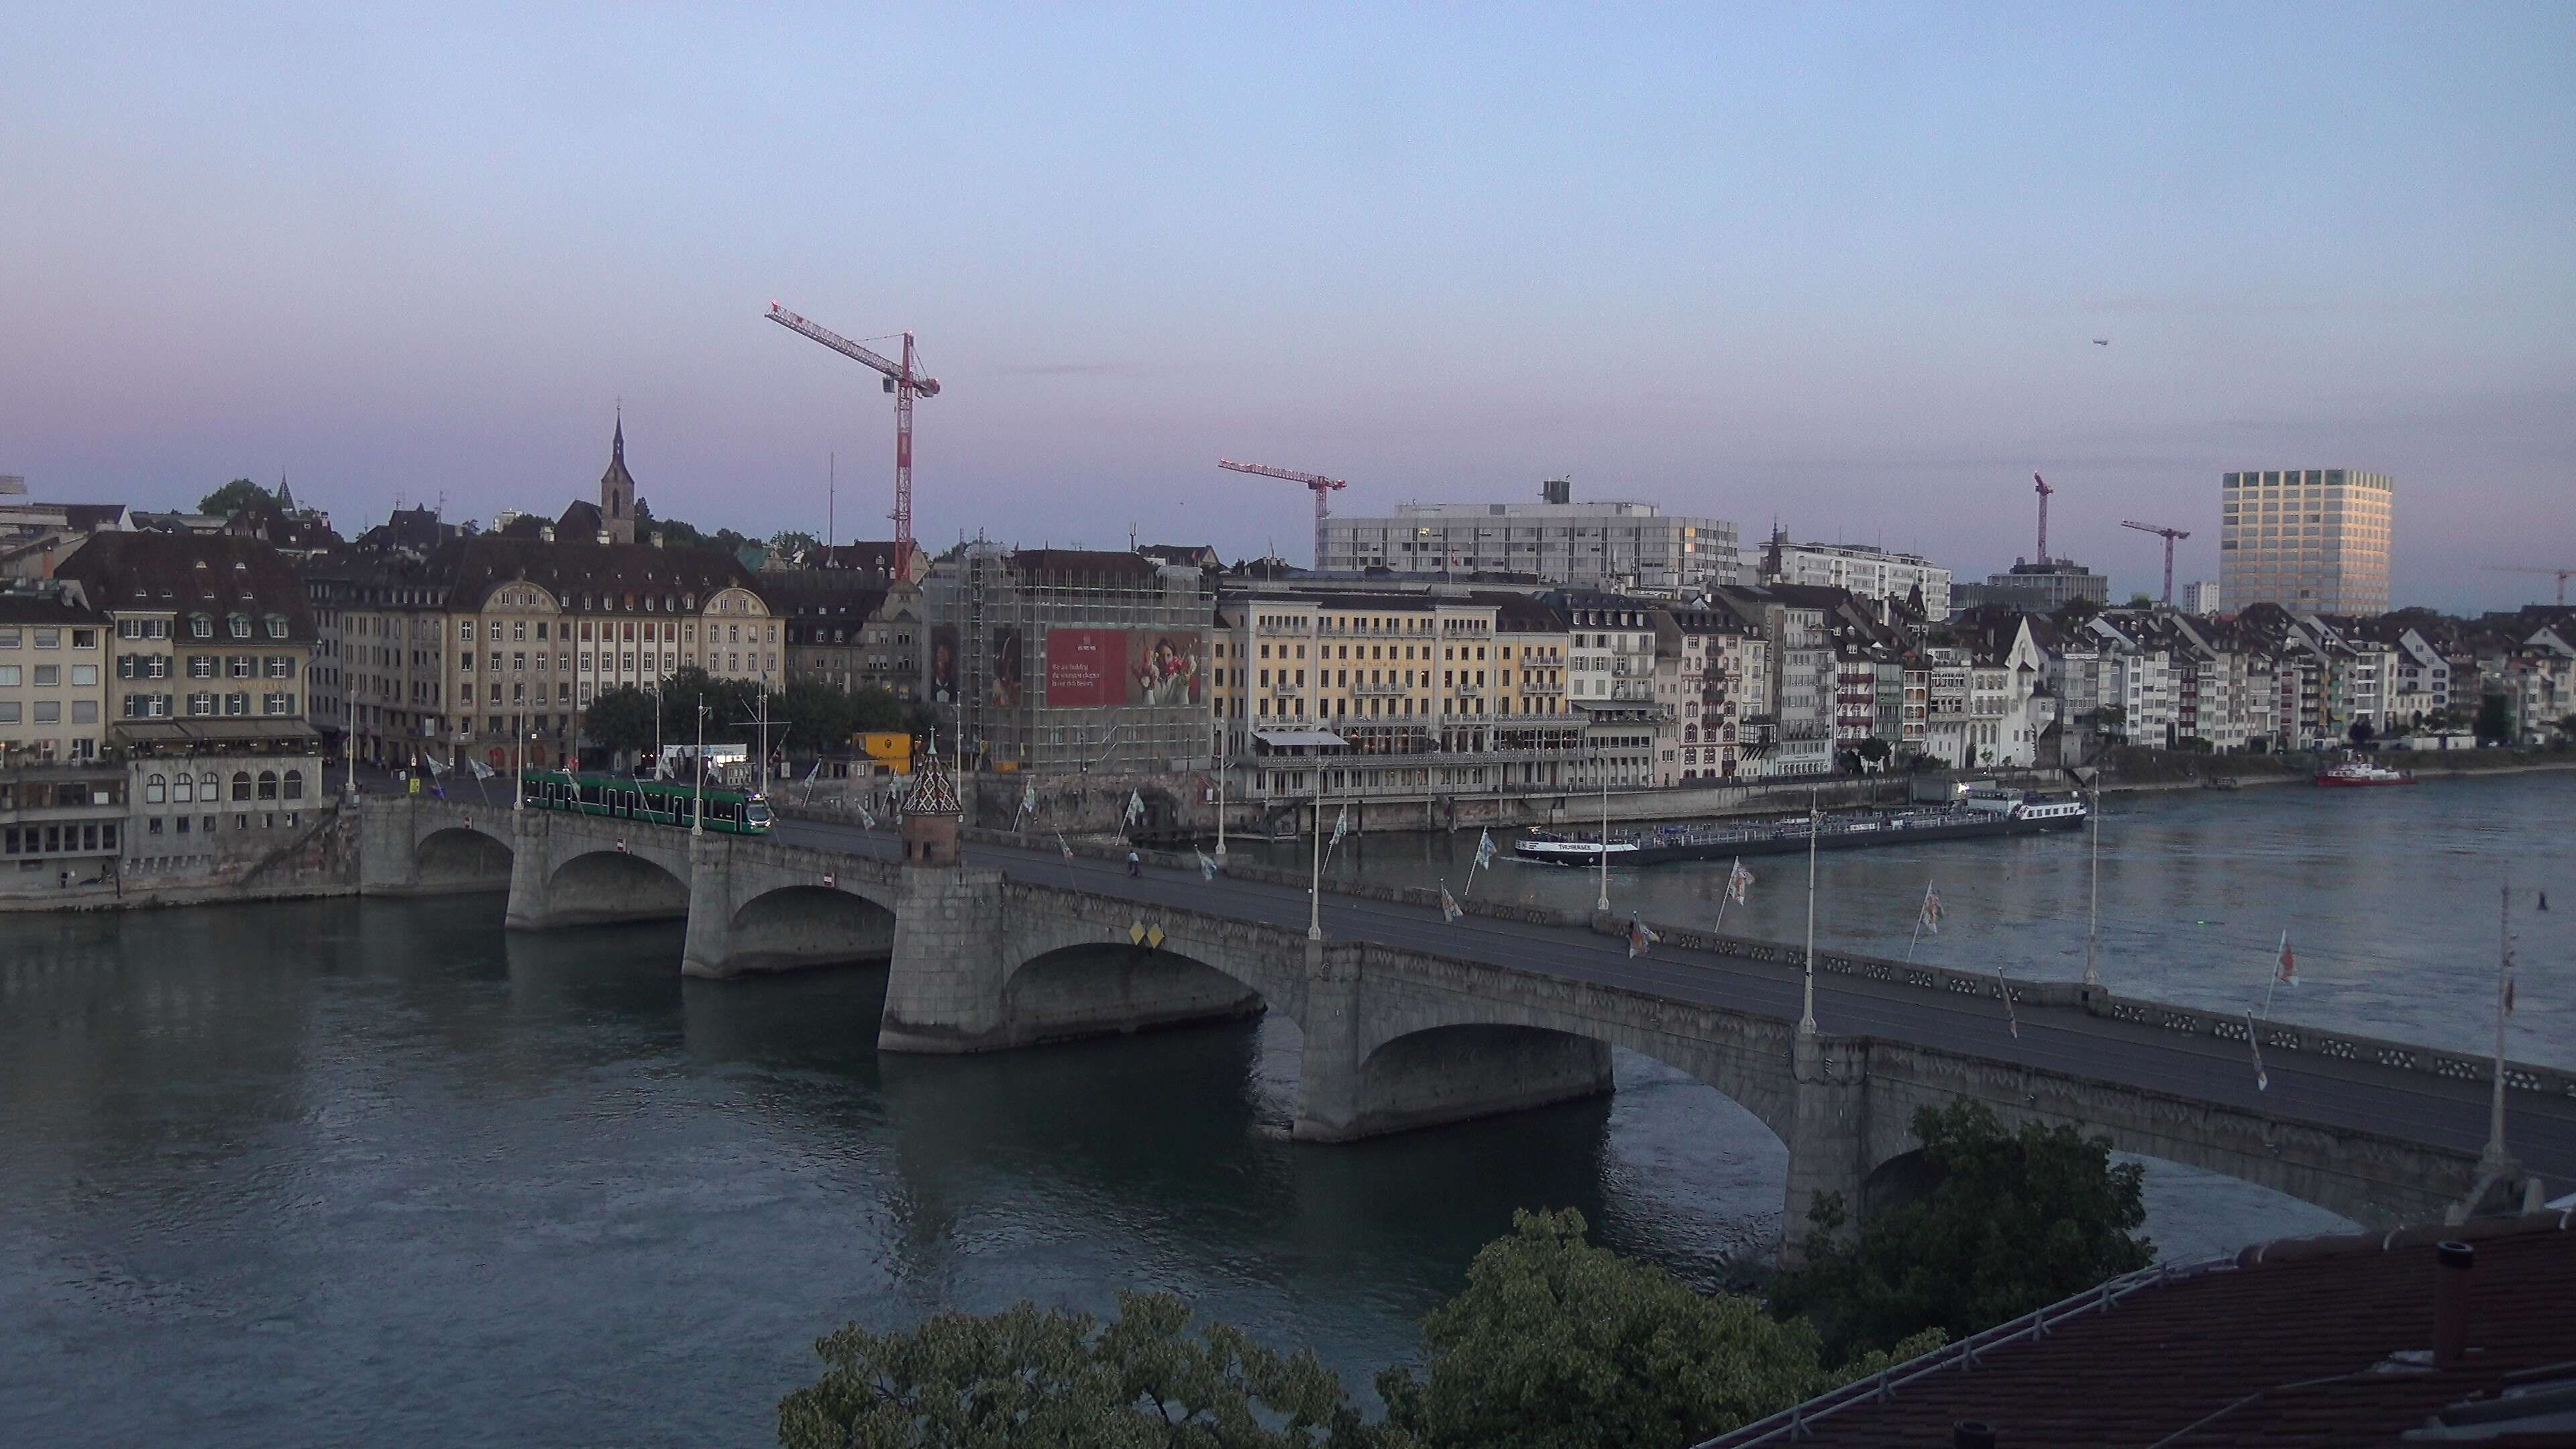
column 9, row 674
column 278, row 666
column 201, row 626
column 268, row 784
column 201, row 666
column 9, row 711
column 209, row 789
column 48, row 675
column 181, row 790
column 84, row 711
column 49, row 638
column 198, row 704
column 243, row 666
column 277, row 626
column 241, row 784
column 236, row 704
column 294, row 785
column 237, row 625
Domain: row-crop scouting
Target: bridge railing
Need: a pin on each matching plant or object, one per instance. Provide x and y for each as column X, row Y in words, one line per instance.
column 2278, row 1036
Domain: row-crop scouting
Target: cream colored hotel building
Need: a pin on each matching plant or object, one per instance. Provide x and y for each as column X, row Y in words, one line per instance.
column 2314, row 540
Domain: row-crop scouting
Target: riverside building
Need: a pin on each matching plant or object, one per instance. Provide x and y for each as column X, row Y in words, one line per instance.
column 2314, row 540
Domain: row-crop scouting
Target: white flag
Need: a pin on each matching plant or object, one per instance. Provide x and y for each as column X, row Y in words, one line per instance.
column 1484, row 849
column 1930, row 916
column 1060, row 845
column 817, row 770
column 1207, row 867
column 481, row 770
column 1738, row 881
column 867, row 820
column 1341, row 825
column 1135, row 806
column 1641, row 937
column 1448, row 904
column 435, row 768
column 1029, row 798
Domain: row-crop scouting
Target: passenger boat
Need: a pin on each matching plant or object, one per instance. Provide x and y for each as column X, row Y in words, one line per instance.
column 2358, row 771
column 1980, row 814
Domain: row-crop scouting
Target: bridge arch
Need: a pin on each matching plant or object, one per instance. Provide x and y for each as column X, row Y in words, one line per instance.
column 597, row 886
column 808, row 925
column 461, row 856
column 1095, row 988
column 1470, row 1058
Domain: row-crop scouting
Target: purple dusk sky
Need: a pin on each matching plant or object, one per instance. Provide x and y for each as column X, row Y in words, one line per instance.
column 1841, row 268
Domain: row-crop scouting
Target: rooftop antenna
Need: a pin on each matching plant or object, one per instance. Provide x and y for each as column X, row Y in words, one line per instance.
column 831, row 499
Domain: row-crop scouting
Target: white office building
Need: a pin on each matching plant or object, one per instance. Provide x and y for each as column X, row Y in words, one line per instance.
column 1615, row 546
column 1871, row 573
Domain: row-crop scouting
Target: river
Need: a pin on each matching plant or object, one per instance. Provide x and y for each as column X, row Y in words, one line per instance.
column 372, row 1171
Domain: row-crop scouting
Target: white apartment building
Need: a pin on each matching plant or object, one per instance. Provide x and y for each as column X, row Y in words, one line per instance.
column 1612, row 546
column 1871, row 573
column 2314, row 540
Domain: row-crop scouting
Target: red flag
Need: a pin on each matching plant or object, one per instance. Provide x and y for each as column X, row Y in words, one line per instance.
column 2289, row 972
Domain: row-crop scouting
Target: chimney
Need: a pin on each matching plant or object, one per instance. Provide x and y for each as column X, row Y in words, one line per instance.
column 2452, row 1261
column 1972, row 1434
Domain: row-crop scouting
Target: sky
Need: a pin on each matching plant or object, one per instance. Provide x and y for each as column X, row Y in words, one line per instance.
column 1839, row 267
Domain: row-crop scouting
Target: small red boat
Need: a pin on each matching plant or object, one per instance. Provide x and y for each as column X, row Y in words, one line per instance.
column 2363, row 772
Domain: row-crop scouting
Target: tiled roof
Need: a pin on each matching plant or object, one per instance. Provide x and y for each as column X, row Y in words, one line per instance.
column 570, row 568
column 44, row 608
column 2293, row 1343
column 1057, row 564
column 187, row 573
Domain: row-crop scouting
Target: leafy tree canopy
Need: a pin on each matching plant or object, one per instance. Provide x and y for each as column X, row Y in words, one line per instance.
column 790, row 542
column 2495, row 720
column 1029, row 1376
column 2015, row 1221
column 233, row 497
column 1561, row 1344
column 621, row 719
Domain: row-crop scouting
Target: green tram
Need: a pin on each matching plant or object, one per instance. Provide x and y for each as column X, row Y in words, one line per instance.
column 657, row 802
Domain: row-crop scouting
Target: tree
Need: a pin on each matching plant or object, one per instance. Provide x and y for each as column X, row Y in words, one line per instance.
column 233, row 497
column 2112, row 720
column 790, row 543
column 2013, row 1221
column 1032, row 1376
column 2361, row 733
column 2495, row 720
column 1560, row 1344
column 620, row 720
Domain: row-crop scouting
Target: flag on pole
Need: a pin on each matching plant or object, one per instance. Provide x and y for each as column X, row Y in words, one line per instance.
column 2012, row 1023
column 1207, row 867
column 1930, row 915
column 2508, row 991
column 435, row 768
column 866, row 819
column 1135, row 807
column 1060, row 845
column 2254, row 1039
column 481, row 770
column 1029, row 798
column 1448, row 903
column 812, row 774
column 1341, row 825
column 1484, row 850
column 1641, row 937
column 2288, row 974
column 1738, row 881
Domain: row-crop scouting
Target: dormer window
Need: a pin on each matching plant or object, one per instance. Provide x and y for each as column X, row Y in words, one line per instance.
column 277, row 626
column 238, row 625
column 200, row 627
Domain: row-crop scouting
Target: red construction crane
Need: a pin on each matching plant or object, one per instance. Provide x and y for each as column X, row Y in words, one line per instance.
column 2044, row 490
column 2169, row 535
column 2563, row 575
column 1322, row 485
column 904, row 379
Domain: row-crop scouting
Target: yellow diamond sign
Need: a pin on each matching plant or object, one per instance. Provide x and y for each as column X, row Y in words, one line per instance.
column 1136, row 933
column 1154, row 938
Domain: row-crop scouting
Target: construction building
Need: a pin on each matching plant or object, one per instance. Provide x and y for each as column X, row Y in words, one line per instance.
column 2041, row 588
column 1069, row 660
column 1867, row 571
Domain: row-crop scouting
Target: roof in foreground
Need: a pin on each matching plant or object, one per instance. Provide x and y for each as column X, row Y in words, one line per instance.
column 2309, row 1341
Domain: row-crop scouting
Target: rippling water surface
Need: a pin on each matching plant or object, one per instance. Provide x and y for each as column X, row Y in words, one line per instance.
column 340, row 1172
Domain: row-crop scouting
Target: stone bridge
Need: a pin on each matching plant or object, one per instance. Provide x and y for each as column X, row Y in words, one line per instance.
column 1408, row 1021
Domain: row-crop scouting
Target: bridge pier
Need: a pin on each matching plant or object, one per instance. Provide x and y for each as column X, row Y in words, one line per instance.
column 531, row 872
column 388, row 864
column 1828, row 1136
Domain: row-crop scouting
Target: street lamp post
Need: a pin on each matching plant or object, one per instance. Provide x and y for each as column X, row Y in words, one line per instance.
column 1224, row 735
column 519, row 775
column 1315, row 883
column 1603, row 766
column 1807, row 1017
column 698, row 802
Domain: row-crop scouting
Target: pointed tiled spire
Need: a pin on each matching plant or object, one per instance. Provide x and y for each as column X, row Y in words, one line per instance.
column 617, row 442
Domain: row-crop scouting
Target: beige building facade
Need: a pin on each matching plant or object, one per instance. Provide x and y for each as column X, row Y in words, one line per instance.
column 2314, row 540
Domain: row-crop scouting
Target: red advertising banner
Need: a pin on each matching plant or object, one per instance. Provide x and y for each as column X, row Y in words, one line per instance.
column 1086, row 668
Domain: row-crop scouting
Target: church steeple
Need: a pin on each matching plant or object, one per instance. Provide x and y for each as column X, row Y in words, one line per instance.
column 617, row 488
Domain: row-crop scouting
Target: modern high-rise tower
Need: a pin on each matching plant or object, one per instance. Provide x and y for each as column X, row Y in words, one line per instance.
column 2315, row 540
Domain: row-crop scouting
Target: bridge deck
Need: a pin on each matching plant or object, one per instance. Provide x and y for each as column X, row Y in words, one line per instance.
column 2350, row 1095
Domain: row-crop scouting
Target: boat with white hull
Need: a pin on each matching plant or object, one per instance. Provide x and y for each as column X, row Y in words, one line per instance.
column 1977, row 817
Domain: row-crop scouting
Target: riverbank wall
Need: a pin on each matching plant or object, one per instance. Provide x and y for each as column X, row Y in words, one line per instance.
column 319, row 859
